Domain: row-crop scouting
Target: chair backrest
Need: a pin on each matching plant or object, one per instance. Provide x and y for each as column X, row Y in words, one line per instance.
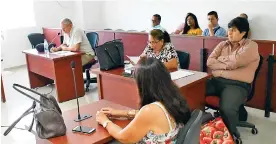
column 184, row 59
column 36, row 38
column 190, row 133
column 250, row 96
column 93, row 39
column 120, row 30
column 107, row 29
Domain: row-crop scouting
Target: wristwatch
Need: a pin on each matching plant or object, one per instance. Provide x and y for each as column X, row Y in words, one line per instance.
column 105, row 123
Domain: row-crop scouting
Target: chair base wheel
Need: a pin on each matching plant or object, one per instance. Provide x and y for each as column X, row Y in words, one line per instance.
column 87, row 89
column 238, row 141
column 254, row 131
column 216, row 114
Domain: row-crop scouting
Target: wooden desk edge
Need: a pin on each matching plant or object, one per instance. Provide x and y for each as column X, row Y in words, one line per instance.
column 54, row 59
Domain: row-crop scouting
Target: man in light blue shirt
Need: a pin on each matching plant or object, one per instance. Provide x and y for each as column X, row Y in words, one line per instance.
column 213, row 27
column 156, row 20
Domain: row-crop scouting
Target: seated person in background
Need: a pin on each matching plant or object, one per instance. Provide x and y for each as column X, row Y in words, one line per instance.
column 163, row 109
column 156, row 20
column 233, row 64
column 213, row 28
column 191, row 25
column 160, row 47
column 75, row 40
column 243, row 15
column 180, row 27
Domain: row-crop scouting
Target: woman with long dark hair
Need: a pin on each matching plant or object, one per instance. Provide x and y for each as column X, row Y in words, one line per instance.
column 191, row 25
column 163, row 109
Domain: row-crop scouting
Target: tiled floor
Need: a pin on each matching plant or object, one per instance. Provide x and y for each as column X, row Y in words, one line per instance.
column 16, row 104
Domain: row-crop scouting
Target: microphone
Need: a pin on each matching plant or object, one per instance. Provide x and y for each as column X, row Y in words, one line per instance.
column 54, row 38
column 51, row 44
column 79, row 117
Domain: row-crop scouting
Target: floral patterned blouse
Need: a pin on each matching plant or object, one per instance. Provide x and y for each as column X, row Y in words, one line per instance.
column 167, row 53
column 168, row 138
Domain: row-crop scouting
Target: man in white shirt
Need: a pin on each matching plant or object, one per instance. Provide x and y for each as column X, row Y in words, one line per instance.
column 75, row 40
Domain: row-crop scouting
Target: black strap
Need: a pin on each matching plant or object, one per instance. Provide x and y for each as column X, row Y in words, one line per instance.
column 20, row 86
column 106, row 50
column 216, row 29
column 28, row 111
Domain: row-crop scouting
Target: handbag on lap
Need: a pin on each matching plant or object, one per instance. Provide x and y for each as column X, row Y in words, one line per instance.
column 110, row 54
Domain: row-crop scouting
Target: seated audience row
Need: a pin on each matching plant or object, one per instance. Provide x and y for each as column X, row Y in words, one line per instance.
column 213, row 28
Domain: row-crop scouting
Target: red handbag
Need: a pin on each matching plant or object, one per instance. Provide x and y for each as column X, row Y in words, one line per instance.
column 215, row 132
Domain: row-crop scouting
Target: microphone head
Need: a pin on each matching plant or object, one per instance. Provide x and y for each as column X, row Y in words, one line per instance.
column 58, row 33
column 72, row 64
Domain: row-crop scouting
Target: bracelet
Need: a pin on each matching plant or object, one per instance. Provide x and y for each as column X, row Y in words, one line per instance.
column 131, row 113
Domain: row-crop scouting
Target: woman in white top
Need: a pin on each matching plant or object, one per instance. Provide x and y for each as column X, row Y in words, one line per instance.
column 163, row 109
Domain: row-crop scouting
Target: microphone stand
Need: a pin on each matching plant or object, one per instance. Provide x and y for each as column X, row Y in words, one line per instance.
column 79, row 117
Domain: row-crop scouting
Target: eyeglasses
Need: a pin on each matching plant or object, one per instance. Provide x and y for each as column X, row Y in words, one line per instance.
column 152, row 42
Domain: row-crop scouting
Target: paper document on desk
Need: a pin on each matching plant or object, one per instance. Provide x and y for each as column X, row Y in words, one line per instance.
column 129, row 68
column 180, row 74
column 64, row 53
column 134, row 59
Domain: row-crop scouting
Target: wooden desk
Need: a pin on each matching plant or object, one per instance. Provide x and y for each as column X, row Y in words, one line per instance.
column 112, row 86
column 43, row 70
column 100, row 136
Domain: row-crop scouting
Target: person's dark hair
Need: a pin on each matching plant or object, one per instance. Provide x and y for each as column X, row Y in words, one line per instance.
column 160, row 35
column 158, row 17
column 186, row 27
column 246, row 16
column 241, row 24
column 214, row 13
column 155, row 85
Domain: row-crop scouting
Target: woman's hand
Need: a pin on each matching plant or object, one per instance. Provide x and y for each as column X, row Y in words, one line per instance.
column 110, row 111
column 101, row 118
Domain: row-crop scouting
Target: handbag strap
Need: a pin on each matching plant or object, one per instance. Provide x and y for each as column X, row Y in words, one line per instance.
column 28, row 111
column 20, row 86
column 105, row 49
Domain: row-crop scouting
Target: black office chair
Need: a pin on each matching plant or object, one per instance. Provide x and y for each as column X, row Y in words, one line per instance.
column 35, row 39
column 190, row 133
column 184, row 59
column 93, row 39
column 213, row 103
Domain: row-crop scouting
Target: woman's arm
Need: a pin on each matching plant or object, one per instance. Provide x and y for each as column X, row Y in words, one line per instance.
column 135, row 130
column 171, row 64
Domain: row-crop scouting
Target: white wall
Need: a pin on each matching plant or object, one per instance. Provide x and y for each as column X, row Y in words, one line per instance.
column 92, row 15
column 128, row 14
column 50, row 13
column 15, row 41
column 47, row 14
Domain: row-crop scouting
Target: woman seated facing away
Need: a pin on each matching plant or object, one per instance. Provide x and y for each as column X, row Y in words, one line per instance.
column 191, row 26
column 163, row 109
column 160, row 47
